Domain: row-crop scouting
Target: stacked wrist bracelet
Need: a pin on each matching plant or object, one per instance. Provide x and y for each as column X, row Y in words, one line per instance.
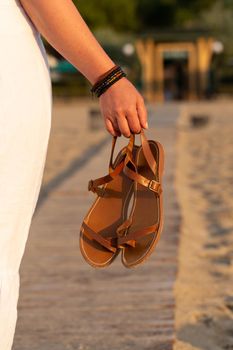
column 106, row 80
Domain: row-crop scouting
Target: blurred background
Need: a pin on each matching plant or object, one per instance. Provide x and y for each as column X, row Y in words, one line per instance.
column 179, row 55
column 172, row 50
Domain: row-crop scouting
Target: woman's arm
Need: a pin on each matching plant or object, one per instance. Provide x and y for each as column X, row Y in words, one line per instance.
column 63, row 27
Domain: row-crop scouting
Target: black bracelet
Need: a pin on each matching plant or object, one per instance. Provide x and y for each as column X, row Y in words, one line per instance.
column 109, row 79
column 106, row 86
column 107, row 82
column 107, row 75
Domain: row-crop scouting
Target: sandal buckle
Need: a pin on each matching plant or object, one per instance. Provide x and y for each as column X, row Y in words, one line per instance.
column 155, row 187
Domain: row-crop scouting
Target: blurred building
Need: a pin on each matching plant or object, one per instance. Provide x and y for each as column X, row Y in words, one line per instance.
column 175, row 65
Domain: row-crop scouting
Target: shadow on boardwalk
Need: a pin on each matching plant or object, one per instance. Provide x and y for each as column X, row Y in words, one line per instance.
column 66, row 304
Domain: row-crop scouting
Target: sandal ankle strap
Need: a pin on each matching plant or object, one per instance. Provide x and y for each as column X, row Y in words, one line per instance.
column 147, row 152
column 126, row 154
column 151, row 184
column 94, row 185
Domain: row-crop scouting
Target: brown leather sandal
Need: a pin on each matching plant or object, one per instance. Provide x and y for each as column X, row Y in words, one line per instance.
column 139, row 234
column 98, row 238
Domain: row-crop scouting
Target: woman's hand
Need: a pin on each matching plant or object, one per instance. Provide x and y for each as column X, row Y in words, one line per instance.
column 123, row 109
column 122, row 106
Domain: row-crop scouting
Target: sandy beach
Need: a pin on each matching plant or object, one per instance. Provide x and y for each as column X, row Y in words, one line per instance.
column 203, row 290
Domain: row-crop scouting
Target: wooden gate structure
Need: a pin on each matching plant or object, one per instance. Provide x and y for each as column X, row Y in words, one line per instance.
column 151, row 50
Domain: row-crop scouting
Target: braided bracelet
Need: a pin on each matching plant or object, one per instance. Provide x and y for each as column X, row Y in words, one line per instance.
column 106, row 80
column 104, row 76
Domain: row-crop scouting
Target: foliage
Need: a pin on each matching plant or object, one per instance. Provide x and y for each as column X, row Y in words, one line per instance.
column 168, row 13
column 137, row 15
column 220, row 19
column 119, row 14
column 141, row 15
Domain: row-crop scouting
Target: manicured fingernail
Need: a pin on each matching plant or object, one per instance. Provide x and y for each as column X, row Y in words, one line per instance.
column 146, row 125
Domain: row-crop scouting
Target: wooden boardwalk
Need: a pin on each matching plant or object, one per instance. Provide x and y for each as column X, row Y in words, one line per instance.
column 64, row 303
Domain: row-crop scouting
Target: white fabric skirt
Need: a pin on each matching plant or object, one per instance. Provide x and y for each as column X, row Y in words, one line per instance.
column 25, row 122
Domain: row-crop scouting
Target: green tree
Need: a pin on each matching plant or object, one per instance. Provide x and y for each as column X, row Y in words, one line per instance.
column 219, row 18
column 118, row 14
column 169, row 13
column 139, row 15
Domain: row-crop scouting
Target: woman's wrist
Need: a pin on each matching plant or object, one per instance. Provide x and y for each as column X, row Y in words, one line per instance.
column 96, row 72
column 107, row 79
column 103, row 75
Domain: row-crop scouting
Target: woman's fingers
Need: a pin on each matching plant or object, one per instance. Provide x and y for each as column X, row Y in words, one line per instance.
column 142, row 112
column 115, row 126
column 109, row 127
column 112, row 126
column 128, row 122
column 123, row 109
column 133, row 120
column 123, row 124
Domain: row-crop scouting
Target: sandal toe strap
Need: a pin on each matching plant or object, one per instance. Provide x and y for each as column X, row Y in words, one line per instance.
column 105, row 242
column 131, row 238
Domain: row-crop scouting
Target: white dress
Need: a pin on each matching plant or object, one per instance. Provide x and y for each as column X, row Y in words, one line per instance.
column 25, row 121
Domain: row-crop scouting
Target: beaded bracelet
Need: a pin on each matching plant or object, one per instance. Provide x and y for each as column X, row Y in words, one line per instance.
column 107, row 79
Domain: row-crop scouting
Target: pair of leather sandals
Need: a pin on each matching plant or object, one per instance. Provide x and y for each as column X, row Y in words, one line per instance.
column 135, row 177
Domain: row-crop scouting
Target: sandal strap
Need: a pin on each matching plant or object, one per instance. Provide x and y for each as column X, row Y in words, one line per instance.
column 121, row 229
column 126, row 153
column 124, row 226
column 106, row 243
column 93, row 185
column 147, row 152
column 131, row 238
column 152, row 185
column 126, row 149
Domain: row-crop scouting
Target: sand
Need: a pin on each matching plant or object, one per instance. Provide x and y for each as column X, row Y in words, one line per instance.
column 204, row 185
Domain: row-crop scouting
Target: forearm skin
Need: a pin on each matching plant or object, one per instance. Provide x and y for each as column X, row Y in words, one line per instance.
column 61, row 24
